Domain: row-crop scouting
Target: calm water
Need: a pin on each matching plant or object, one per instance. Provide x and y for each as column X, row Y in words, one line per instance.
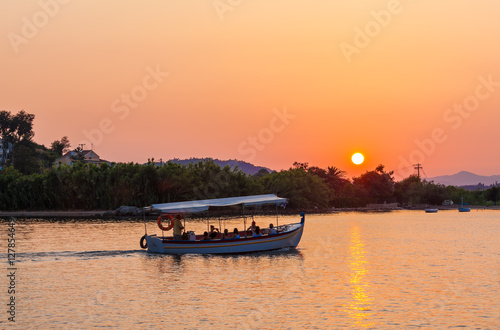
column 352, row 270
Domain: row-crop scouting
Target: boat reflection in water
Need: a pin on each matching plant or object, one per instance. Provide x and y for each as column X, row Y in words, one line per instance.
column 359, row 309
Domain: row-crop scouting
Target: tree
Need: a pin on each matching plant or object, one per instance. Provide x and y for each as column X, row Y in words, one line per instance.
column 77, row 155
column 60, row 146
column 5, row 126
column 303, row 166
column 30, row 157
column 493, row 194
column 376, row 184
column 409, row 190
column 25, row 158
column 14, row 128
column 434, row 193
column 304, row 190
column 262, row 172
column 332, row 176
column 22, row 126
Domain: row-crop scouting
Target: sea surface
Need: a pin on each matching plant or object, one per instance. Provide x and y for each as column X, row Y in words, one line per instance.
column 394, row 270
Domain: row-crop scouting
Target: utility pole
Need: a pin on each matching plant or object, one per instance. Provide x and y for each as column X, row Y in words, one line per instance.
column 418, row 166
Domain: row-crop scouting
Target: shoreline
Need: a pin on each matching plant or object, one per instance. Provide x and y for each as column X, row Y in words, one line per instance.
column 110, row 215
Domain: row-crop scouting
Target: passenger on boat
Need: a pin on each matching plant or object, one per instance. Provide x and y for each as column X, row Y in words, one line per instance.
column 213, row 232
column 252, row 227
column 178, row 228
column 225, row 235
column 236, row 233
column 271, row 230
column 257, row 233
column 205, row 236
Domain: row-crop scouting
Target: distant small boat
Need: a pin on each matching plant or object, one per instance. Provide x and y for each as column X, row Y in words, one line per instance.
column 431, row 210
column 462, row 208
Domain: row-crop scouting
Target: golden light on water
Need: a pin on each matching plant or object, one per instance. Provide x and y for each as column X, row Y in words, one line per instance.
column 359, row 308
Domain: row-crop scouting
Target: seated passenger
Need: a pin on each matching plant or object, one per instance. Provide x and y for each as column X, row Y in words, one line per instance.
column 236, row 233
column 272, row 231
column 213, row 232
column 257, row 232
column 252, row 227
column 205, row 237
column 225, row 235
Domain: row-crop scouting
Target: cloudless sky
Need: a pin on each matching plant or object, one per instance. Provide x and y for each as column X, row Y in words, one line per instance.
column 269, row 82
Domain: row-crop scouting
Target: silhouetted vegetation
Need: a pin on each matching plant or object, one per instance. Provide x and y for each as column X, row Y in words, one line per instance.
column 14, row 129
column 59, row 147
column 30, row 181
column 87, row 186
column 18, row 148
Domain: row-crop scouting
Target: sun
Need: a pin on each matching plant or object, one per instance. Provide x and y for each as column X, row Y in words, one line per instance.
column 357, row 158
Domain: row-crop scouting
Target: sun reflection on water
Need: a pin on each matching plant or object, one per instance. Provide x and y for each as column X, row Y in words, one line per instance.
column 359, row 308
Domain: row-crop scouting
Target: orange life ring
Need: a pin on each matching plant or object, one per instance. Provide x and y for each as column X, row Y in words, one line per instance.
column 170, row 217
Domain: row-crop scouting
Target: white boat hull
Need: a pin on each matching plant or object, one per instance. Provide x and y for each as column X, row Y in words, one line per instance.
column 287, row 239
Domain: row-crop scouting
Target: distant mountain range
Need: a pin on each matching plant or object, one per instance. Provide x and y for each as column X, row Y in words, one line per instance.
column 244, row 166
column 465, row 179
column 460, row 179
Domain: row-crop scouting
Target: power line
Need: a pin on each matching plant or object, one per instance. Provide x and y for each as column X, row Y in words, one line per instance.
column 402, row 169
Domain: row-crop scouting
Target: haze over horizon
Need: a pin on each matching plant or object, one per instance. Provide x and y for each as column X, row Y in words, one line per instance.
column 268, row 83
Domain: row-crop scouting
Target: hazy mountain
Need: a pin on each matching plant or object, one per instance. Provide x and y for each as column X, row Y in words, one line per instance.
column 465, row 179
column 244, row 166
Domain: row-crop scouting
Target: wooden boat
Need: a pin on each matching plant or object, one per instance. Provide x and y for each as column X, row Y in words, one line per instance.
column 287, row 236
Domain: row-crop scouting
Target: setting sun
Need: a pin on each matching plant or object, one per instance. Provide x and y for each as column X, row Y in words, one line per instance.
column 357, row 158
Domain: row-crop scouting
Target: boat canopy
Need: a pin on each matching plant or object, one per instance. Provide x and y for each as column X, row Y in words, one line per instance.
column 203, row 205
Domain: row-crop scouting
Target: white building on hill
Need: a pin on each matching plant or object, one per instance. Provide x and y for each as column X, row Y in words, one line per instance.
column 89, row 156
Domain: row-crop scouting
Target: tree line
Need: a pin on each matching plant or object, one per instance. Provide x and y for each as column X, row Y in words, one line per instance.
column 106, row 187
column 30, row 181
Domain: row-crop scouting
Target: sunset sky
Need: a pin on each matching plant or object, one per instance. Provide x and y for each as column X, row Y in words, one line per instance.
column 270, row 82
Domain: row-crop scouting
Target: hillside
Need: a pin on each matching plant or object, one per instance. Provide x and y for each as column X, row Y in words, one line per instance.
column 465, row 179
column 248, row 168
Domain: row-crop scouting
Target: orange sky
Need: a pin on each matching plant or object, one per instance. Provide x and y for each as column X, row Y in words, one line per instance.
column 269, row 82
